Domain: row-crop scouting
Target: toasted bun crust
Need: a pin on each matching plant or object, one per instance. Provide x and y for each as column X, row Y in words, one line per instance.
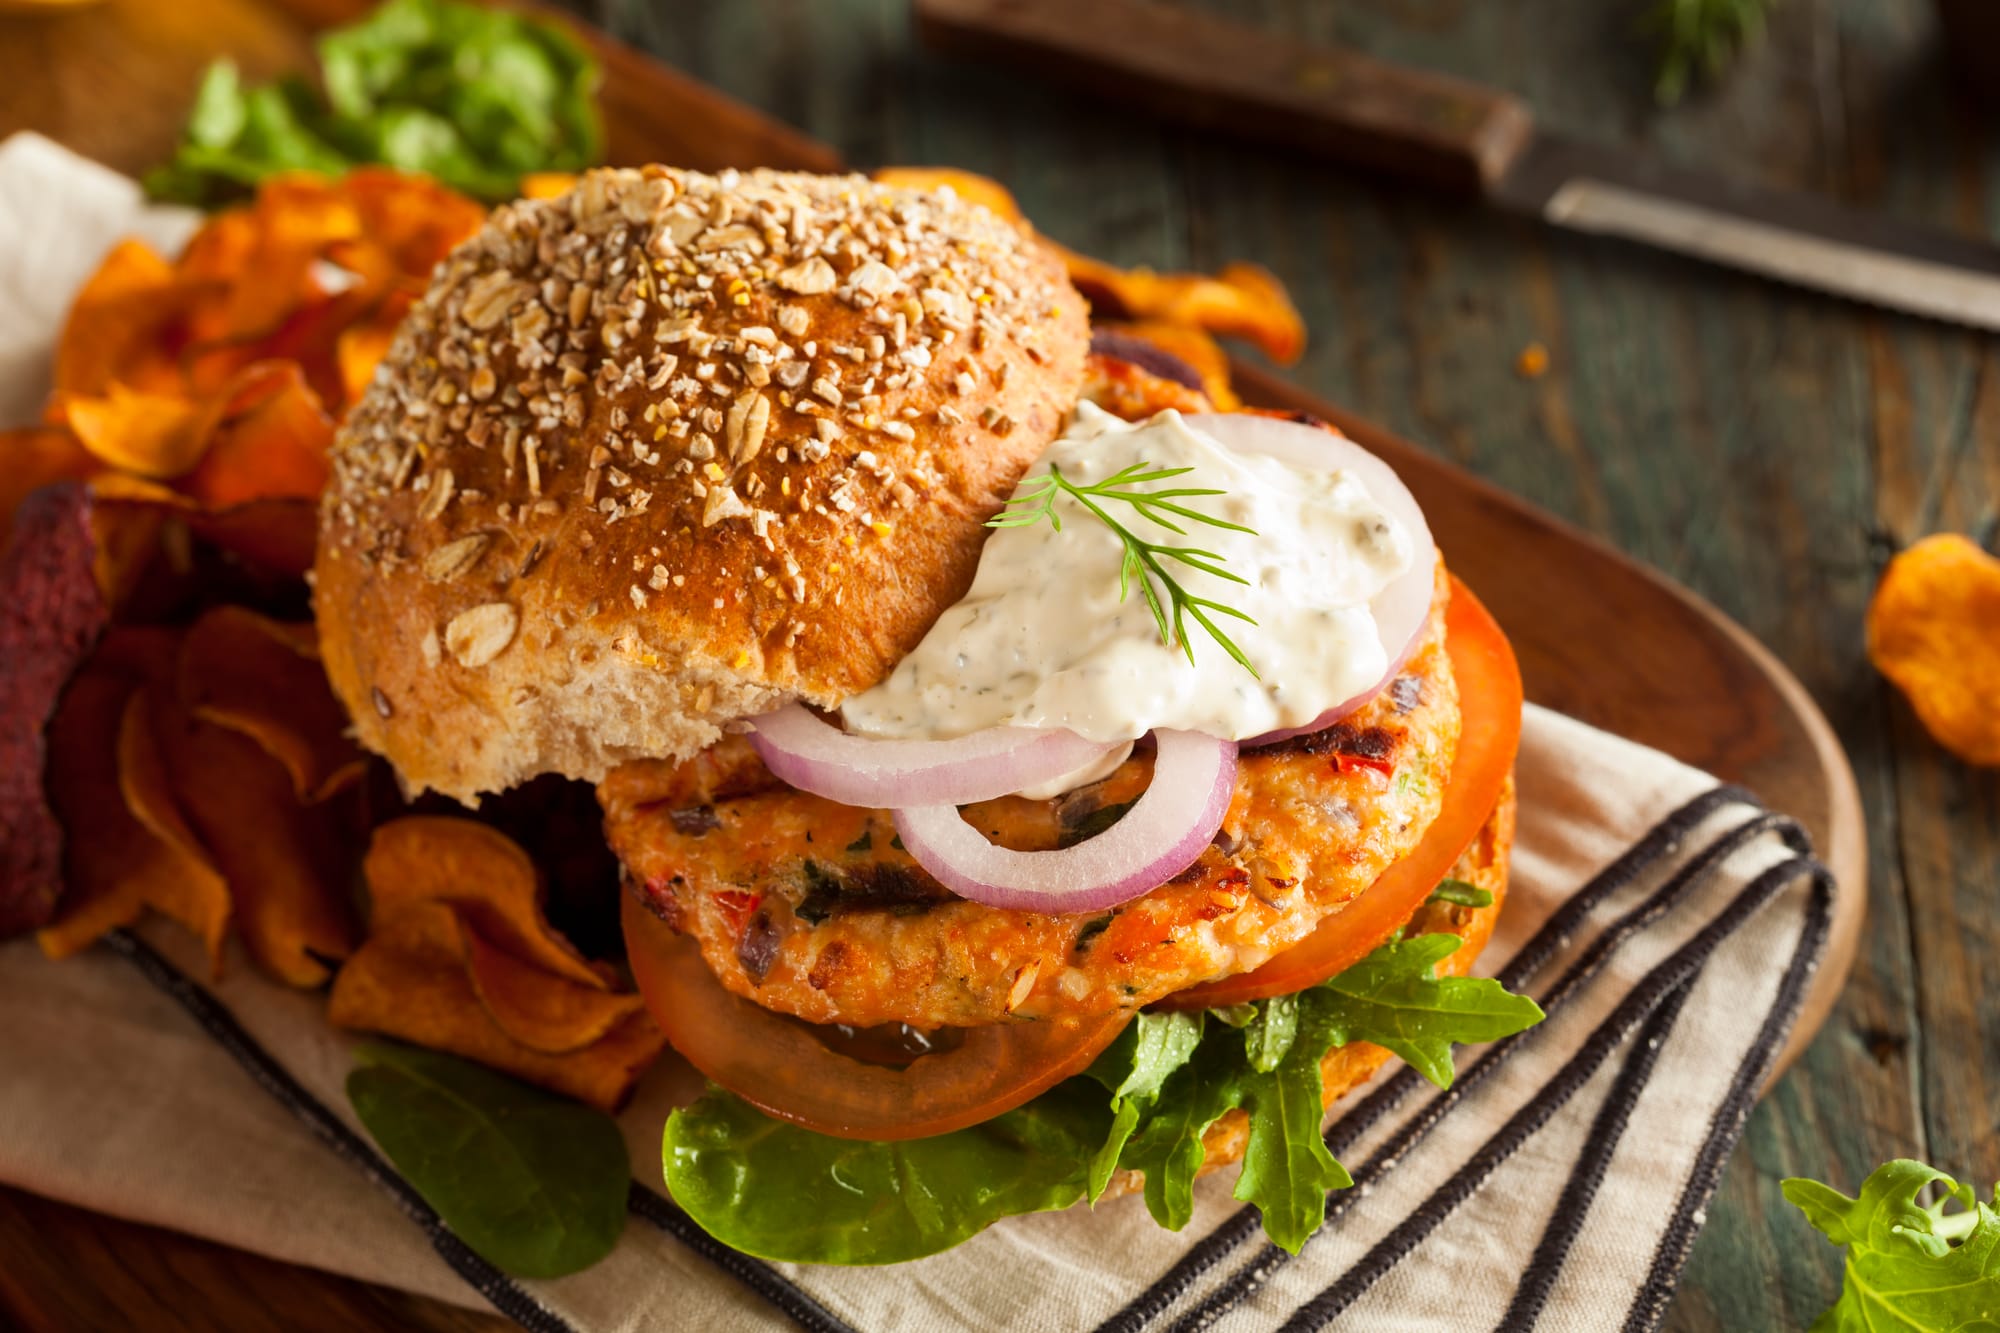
column 1346, row 1068
column 671, row 449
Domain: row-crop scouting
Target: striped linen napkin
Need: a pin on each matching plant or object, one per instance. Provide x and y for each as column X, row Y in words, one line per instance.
column 1667, row 924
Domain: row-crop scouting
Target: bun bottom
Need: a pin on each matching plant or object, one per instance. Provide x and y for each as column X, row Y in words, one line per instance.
column 1346, row 1068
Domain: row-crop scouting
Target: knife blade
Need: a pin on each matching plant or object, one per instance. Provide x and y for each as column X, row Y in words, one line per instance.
column 1470, row 141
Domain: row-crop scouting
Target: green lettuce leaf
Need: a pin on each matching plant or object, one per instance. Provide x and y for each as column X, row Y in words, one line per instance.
column 476, row 97
column 1910, row 1267
column 782, row 1192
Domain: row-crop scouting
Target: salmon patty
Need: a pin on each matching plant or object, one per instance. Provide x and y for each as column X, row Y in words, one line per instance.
column 813, row 908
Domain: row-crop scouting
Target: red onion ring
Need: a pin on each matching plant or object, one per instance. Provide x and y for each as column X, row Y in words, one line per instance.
column 1160, row 836
column 1403, row 607
column 856, row 770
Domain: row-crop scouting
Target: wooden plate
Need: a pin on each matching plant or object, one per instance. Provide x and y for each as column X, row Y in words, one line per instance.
column 1599, row 636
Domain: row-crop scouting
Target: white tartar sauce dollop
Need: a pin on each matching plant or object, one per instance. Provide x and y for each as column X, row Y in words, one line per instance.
column 1043, row 640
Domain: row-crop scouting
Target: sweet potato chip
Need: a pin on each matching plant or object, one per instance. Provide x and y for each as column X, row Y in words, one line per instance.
column 116, row 866
column 361, row 347
column 115, row 325
column 1934, row 630
column 482, row 873
column 413, row 219
column 282, row 860
column 272, row 443
column 159, row 435
column 1243, row 301
column 410, row 981
column 537, row 1009
column 262, row 678
column 1191, row 347
column 200, row 901
column 50, row 614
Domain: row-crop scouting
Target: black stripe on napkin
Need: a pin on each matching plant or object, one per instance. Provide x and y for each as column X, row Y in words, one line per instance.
column 1662, row 840
column 1649, row 1307
column 506, row 1295
column 755, row 1274
column 1684, row 964
column 1530, row 1118
column 1607, row 1128
column 502, row 1292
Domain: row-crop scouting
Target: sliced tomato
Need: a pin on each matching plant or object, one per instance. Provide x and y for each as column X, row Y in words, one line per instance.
column 1489, row 700
column 783, row 1068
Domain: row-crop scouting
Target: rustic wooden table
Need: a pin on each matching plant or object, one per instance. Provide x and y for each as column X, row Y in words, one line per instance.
column 1767, row 447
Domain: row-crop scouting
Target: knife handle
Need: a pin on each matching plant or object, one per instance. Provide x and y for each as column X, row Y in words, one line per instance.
column 1188, row 66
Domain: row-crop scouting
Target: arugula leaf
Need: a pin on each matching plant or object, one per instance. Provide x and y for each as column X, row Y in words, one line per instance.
column 1461, row 894
column 1909, row 1266
column 1393, row 999
column 533, row 1182
column 1287, row 1167
column 474, row 96
column 1167, row 1145
column 1133, row 1069
column 1268, row 1037
column 775, row 1190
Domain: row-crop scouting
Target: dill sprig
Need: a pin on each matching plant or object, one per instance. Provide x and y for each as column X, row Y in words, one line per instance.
column 1143, row 561
column 1699, row 38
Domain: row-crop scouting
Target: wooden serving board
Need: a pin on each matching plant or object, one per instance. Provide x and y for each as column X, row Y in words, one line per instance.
column 1599, row 636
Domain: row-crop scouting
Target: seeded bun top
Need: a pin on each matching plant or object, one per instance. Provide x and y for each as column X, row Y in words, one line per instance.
column 671, row 449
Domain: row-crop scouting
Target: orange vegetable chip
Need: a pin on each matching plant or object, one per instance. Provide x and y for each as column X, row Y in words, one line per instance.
column 160, row 435
column 271, row 443
column 1243, row 301
column 481, row 872
column 413, row 219
column 115, row 325
column 410, row 981
column 361, row 347
column 282, row 860
column 539, row 1010
column 1196, row 348
column 1934, row 629
column 298, row 218
column 114, row 865
column 262, row 678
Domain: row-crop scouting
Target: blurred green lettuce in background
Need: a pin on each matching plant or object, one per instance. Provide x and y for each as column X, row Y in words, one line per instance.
column 475, row 97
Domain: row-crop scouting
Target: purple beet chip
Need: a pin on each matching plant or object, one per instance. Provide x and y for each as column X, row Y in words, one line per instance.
column 50, row 615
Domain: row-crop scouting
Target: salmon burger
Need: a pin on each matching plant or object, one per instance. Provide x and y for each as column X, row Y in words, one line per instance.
column 1032, row 784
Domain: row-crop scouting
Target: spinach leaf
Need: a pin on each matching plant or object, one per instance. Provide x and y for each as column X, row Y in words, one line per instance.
column 1910, row 1266
column 474, row 96
column 533, row 1182
column 1393, row 999
column 775, row 1190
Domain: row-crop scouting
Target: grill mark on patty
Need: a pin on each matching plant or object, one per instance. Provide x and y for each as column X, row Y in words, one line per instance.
column 1340, row 738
